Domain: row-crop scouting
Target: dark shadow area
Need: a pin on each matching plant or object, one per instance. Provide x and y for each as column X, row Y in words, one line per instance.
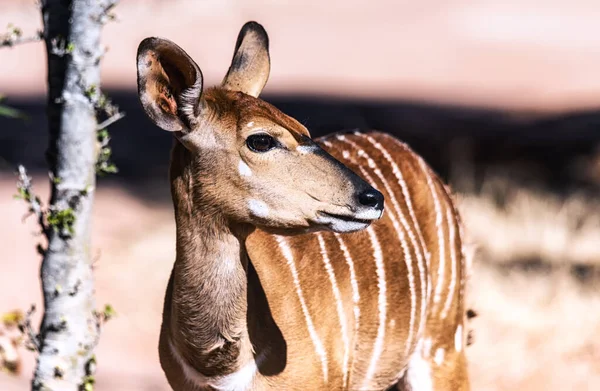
column 534, row 151
column 270, row 347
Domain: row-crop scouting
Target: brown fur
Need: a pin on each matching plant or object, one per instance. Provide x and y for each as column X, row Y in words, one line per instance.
column 233, row 298
column 292, row 348
column 264, row 254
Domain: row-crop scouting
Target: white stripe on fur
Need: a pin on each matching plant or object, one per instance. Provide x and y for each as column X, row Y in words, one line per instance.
column 287, row 253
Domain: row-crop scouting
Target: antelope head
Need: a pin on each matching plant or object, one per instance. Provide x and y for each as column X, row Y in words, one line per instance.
column 253, row 163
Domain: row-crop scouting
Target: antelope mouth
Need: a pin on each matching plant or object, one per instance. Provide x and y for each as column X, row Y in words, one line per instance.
column 343, row 223
column 346, row 218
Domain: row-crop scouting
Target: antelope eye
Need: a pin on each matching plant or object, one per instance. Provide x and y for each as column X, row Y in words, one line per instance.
column 260, row 142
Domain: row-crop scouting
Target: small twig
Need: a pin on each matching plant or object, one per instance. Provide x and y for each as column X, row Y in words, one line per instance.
column 109, row 4
column 104, row 165
column 96, row 259
column 25, row 188
column 101, row 318
column 104, row 107
column 103, row 141
column 25, row 327
column 59, row 47
column 107, row 16
column 15, row 37
column 109, row 121
column 101, row 102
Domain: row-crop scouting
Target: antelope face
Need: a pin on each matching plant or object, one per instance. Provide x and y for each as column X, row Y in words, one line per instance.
column 253, row 163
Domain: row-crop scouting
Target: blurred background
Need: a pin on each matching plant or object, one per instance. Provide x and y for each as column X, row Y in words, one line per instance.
column 502, row 98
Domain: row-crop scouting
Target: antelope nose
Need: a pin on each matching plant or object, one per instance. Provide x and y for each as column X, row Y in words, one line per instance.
column 371, row 198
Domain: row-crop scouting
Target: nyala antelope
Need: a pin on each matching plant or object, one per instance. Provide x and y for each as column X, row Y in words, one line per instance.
column 288, row 273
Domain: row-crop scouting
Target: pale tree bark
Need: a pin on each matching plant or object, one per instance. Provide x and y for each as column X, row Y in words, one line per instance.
column 70, row 325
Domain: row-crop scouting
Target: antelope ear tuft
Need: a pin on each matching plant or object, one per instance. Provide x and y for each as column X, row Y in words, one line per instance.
column 169, row 84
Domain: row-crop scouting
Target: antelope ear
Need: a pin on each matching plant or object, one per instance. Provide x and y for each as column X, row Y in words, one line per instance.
column 250, row 65
column 169, row 84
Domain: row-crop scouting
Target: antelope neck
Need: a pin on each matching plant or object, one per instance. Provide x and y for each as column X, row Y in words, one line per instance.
column 209, row 284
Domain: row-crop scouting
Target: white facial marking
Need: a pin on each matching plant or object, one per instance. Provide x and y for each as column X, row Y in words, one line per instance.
column 458, row 337
column 439, row 356
column 304, row 149
column 237, row 381
column 243, row 169
column 258, row 208
column 250, row 124
column 369, row 214
column 289, row 257
column 338, row 225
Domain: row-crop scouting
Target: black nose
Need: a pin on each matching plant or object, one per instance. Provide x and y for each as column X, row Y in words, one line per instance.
column 371, row 198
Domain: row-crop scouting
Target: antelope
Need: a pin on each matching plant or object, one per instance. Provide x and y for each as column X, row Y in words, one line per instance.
column 289, row 275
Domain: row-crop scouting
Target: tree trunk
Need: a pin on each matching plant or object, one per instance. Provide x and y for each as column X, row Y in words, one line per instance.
column 70, row 327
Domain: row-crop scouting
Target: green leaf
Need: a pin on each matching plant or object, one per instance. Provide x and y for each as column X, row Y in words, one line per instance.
column 62, row 220
column 102, row 134
column 88, row 383
column 91, row 90
column 109, row 312
column 6, row 111
column 103, row 164
column 22, row 194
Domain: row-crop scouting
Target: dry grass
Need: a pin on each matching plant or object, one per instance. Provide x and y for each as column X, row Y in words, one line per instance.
column 534, row 332
column 535, row 286
column 531, row 224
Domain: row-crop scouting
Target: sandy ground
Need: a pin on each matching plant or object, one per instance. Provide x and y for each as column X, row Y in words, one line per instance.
column 538, row 327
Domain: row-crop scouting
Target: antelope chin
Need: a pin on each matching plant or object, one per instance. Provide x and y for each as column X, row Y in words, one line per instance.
column 346, row 223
